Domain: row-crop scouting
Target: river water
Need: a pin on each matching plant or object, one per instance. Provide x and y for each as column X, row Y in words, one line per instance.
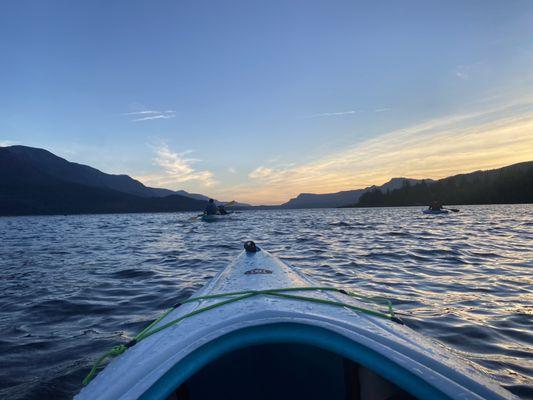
column 73, row 286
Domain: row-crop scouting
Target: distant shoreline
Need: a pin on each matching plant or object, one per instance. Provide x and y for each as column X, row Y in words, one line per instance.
column 444, row 205
column 251, row 208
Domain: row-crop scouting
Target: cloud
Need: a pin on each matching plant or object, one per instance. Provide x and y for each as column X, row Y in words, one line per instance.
column 142, row 112
column 486, row 139
column 5, row 143
column 332, row 114
column 461, row 74
column 261, row 173
column 147, row 115
column 465, row 72
column 160, row 116
column 176, row 169
column 232, row 170
column 340, row 113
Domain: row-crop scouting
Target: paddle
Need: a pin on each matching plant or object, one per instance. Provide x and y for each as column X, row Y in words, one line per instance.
column 451, row 209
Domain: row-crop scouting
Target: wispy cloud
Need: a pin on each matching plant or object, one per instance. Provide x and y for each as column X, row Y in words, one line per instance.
column 261, row 173
column 441, row 147
column 340, row 113
column 5, row 143
column 176, row 168
column 466, row 71
column 461, row 74
column 332, row 114
column 232, row 170
column 147, row 115
column 145, row 112
column 160, row 116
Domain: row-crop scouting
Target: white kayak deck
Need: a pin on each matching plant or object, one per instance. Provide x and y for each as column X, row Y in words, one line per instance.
column 151, row 361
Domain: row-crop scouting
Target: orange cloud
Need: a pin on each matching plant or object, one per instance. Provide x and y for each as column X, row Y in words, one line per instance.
column 435, row 149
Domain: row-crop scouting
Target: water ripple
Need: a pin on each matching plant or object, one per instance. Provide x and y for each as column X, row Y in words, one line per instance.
column 72, row 286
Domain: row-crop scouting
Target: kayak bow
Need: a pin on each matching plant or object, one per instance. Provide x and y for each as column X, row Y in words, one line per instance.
column 260, row 329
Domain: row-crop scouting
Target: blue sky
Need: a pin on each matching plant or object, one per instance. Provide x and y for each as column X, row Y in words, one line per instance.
column 262, row 100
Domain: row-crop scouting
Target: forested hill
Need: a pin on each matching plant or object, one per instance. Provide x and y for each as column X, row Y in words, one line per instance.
column 34, row 181
column 512, row 184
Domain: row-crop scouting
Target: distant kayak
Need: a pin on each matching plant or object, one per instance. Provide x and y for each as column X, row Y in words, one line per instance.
column 262, row 330
column 215, row 217
column 435, row 211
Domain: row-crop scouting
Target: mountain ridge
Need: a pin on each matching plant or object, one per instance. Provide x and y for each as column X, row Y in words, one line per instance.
column 342, row 198
column 69, row 171
column 36, row 181
column 506, row 185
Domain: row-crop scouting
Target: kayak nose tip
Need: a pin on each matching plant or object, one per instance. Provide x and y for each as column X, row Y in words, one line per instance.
column 250, row 247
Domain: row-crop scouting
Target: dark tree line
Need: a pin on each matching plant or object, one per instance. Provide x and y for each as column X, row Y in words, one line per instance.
column 513, row 184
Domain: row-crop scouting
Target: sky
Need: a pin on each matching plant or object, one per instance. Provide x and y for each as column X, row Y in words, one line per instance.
column 259, row 101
